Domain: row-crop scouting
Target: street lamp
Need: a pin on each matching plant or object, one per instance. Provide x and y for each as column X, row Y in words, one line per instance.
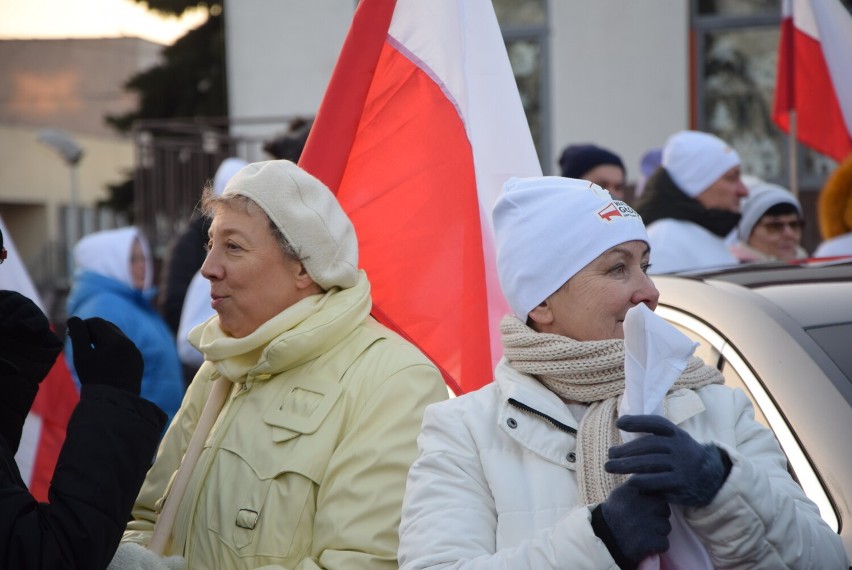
column 70, row 152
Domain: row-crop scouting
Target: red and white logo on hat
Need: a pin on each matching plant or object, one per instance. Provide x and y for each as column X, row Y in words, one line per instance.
column 616, row 209
column 608, row 212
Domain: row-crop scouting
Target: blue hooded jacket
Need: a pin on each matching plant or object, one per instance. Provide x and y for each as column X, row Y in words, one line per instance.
column 103, row 287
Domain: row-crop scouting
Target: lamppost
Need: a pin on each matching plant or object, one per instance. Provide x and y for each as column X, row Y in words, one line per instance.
column 71, row 153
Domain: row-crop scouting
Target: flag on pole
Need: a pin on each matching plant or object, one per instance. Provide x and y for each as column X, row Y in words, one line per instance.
column 815, row 75
column 419, row 127
column 44, row 429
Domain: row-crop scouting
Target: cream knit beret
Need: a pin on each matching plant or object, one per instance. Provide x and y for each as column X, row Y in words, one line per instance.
column 308, row 215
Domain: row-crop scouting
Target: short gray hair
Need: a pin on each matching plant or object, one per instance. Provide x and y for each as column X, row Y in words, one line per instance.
column 212, row 203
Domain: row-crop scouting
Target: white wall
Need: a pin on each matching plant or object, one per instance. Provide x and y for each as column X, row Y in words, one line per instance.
column 619, row 75
column 280, row 55
column 618, row 69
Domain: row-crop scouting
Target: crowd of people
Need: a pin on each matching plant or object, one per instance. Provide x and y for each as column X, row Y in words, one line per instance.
column 294, row 431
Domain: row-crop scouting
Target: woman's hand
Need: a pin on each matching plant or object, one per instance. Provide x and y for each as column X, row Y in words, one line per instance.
column 668, row 461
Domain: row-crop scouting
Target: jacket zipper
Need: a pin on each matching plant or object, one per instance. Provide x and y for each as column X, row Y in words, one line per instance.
column 556, row 423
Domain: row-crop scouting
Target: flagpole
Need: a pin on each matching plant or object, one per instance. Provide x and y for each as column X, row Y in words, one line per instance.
column 793, row 154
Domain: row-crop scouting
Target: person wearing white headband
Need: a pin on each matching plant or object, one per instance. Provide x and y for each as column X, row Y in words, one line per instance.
column 515, row 475
column 692, row 203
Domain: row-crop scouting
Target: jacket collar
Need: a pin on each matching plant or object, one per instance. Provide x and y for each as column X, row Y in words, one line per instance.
column 295, row 336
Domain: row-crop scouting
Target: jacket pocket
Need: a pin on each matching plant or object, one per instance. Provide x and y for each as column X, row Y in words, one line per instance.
column 265, row 514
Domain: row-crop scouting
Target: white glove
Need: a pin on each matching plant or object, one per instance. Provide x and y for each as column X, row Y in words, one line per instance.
column 131, row 556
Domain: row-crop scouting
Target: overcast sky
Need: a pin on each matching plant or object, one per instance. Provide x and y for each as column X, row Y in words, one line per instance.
column 89, row 18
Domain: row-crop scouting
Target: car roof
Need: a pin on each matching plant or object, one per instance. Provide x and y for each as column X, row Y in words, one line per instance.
column 814, row 293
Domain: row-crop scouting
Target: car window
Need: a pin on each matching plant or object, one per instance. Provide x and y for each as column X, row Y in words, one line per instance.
column 705, row 350
column 734, row 380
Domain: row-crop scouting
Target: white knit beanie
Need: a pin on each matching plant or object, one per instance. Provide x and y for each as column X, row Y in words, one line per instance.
column 308, row 215
column 227, row 169
column 696, row 160
column 549, row 228
column 762, row 195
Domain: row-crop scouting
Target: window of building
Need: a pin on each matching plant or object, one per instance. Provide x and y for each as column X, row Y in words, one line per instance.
column 523, row 23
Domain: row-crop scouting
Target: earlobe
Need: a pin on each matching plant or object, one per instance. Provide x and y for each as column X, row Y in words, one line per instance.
column 303, row 280
column 542, row 315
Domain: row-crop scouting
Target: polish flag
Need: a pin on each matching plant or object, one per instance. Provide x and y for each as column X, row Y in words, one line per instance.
column 420, row 126
column 44, row 429
column 815, row 75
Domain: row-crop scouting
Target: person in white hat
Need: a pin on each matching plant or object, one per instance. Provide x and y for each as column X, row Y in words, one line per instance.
column 292, row 445
column 692, row 203
column 771, row 225
column 530, row 471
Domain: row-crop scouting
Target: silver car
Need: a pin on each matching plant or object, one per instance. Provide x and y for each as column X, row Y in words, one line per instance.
column 782, row 333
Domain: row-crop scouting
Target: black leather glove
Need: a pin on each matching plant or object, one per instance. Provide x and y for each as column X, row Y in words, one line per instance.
column 27, row 345
column 669, row 461
column 632, row 524
column 104, row 355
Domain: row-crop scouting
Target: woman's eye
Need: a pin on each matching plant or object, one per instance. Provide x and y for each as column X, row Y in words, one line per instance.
column 232, row 246
column 645, row 267
column 208, row 246
column 618, row 268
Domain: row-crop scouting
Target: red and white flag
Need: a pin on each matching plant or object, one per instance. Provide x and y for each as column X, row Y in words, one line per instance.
column 44, row 429
column 815, row 75
column 419, row 128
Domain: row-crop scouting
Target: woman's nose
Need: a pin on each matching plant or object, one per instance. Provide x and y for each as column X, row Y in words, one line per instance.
column 646, row 292
column 210, row 269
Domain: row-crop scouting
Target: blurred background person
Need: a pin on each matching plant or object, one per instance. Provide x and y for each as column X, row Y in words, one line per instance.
column 648, row 165
column 692, row 203
column 595, row 164
column 112, row 280
column 184, row 258
column 289, row 145
column 834, row 212
column 770, row 228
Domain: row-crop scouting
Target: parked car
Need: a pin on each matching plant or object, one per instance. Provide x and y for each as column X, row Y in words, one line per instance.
column 782, row 333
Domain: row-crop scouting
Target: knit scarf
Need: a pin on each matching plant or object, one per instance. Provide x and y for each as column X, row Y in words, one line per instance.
column 592, row 373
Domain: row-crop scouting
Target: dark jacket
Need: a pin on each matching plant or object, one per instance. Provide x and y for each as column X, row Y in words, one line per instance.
column 110, row 442
column 184, row 259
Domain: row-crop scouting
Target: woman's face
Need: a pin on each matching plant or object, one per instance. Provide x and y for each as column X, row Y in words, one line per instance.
column 593, row 303
column 251, row 279
column 725, row 193
column 138, row 265
column 778, row 236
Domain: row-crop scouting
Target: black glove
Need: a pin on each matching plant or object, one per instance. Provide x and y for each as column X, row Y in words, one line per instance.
column 633, row 525
column 669, row 461
column 104, row 355
column 27, row 345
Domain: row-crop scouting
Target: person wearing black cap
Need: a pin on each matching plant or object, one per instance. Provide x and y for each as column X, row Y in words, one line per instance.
column 110, row 440
column 595, row 164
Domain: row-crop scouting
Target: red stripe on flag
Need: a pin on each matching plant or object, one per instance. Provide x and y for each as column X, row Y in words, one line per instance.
column 804, row 85
column 332, row 134
column 410, row 190
column 56, row 399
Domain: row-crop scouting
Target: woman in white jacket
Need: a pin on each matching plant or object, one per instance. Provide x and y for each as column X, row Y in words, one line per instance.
column 530, row 471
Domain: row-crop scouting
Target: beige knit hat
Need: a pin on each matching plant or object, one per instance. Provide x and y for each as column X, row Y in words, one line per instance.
column 308, row 215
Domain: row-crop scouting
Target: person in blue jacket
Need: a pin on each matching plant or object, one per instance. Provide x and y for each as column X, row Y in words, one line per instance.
column 112, row 281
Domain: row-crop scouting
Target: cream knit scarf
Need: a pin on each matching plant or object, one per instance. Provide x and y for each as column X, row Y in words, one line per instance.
column 593, row 373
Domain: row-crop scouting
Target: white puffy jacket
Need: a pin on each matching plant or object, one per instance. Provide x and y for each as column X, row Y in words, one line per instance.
column 495, row 487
